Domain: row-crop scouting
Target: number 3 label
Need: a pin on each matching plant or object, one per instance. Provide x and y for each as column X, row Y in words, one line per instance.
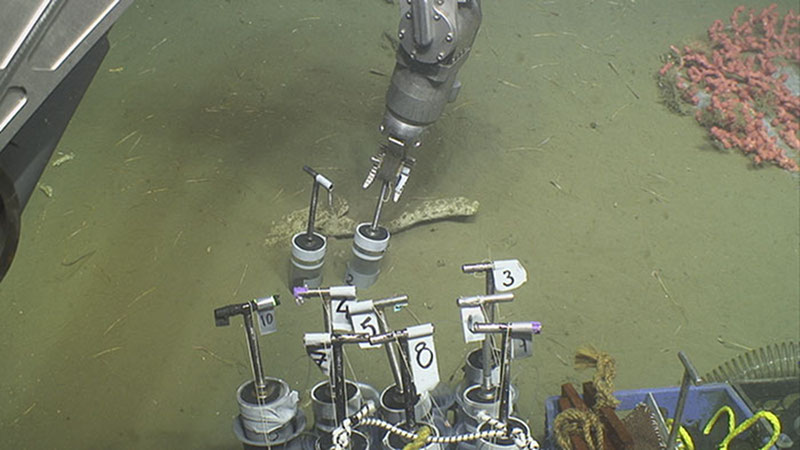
column 508, row 275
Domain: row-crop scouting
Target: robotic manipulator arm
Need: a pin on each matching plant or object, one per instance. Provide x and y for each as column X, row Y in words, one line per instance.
column 435, row 38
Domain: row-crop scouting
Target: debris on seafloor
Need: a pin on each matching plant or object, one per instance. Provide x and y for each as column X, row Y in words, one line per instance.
column 46, row 189
column 334, row 222
column 64, row 157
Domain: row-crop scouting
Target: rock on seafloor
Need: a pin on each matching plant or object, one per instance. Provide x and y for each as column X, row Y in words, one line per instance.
column 334, row 222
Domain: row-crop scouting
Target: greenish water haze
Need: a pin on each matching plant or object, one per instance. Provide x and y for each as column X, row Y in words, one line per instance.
column 190, row 143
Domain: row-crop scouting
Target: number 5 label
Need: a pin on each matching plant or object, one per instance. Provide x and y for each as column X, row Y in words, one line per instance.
column 508, row 275
column 364, row 320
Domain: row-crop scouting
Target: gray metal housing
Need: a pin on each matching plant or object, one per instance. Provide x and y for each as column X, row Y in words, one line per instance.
column 49, row 52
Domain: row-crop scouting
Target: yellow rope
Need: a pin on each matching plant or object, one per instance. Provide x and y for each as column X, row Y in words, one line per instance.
column 685, row 438
column 573, row 420
column 770, row 417
column 588, row 422
column 421, row 440
column 603, row 379
column 731, row 419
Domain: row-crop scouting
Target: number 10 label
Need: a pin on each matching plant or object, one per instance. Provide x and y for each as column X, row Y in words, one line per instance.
column 266, row 322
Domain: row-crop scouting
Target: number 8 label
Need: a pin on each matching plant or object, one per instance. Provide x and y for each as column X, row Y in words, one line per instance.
column 424, row 368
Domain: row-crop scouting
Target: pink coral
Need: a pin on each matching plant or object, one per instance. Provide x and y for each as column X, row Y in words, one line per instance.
column 738, row 76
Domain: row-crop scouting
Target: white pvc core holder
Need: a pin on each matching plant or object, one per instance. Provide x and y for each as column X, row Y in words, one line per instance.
column 393, row 409
column 369, row 247
column 325, row 410
column 308, row 256
column 472, row 405
column 272, row 421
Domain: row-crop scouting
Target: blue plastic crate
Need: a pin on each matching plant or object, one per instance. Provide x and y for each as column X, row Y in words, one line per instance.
column 701, row 404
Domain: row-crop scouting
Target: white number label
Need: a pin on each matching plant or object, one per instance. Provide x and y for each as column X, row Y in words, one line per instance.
column 424, row 367
column 470, row 315
column 339, row 320
column 366, row 323
column 318, row 351
column 321, row 357
column 266, row 321
column 508, row 275
column 521, row 346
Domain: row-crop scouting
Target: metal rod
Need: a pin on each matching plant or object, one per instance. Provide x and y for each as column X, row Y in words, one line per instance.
column 383, row 327
column 486, row 382
column 689, row 377
column 398, row 301
column 487, row 392
column 531, row 327
column 489, row 284
column 486, row 350
column 676, row 421
column 312, row 210
column 486, row 358
column 338, row 388
column 505, row 376
column 476, row 267
column 480, row 300
column 327, row 315
column 409, row 392
column 336, row 379
column 259, row 385
column 302, row 293
column 379, row 206
column 391, row 350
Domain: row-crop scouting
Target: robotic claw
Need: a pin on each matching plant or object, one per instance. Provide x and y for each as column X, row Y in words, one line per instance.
column 435, row 38
column 50, row 50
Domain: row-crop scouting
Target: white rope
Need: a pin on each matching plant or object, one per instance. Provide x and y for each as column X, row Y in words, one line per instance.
column 407, row 435
column 341, row 435
column 523, row 440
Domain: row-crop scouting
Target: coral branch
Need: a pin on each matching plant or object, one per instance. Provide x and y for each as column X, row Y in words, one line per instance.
column 738, row 84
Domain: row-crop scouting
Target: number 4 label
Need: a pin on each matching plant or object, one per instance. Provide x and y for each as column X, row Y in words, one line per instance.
column 508, row 275
column 339, row 314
